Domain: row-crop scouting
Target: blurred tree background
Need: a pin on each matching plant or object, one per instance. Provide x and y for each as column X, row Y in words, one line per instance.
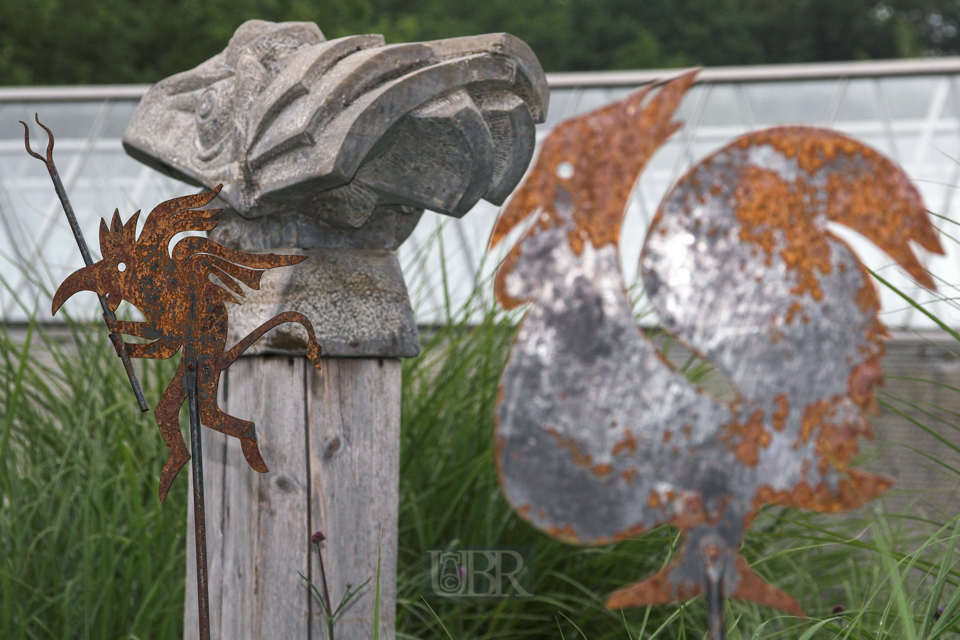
column 130, row 41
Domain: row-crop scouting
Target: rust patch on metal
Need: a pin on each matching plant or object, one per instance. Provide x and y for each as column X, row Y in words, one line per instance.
column 813, row 416
column 654, row 501
column 855, row 490
column 867, row 298
column 629, row 533
column 500, row 289
column 781, row 412
column 837, row 443
column 792, row 311
column 884, row 207
column 628, row 445
column 580, row 458
column 746, row 439
column 771, row 212
column 863, row 380
column 565, row 533
column 603, row 470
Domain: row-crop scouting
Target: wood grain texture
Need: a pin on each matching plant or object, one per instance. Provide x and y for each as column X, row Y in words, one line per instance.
column 331, row 441
column 355, row 468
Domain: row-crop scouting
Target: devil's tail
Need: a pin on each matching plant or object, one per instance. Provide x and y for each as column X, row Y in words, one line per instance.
column 313, row 347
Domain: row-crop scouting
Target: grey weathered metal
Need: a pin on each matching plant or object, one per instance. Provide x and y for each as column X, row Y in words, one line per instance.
column 599, row 438
column 337, row 147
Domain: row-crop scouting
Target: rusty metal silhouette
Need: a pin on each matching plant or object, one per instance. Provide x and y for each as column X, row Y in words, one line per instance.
column 183, row 309
column 599, row 438
column 182, row 293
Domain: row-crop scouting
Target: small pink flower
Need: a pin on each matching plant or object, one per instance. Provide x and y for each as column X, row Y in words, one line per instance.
column 317, row 537
column 839, row 608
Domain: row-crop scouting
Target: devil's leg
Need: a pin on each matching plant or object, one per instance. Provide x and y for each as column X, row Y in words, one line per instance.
column 213, row 417
column 168, row 419
column 313, row 347
column 244, row 430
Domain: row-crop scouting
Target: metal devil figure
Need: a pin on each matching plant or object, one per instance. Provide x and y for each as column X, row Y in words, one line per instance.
column 599, row 438
column 184, row 310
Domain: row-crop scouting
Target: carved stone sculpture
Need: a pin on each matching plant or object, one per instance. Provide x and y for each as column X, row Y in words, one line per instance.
column 331, row 149
column 336, row 147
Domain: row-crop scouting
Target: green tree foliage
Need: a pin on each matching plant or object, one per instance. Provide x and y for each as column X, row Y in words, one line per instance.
column 125, row 41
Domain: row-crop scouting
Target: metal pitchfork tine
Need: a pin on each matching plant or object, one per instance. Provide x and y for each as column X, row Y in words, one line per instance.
column 75, row 227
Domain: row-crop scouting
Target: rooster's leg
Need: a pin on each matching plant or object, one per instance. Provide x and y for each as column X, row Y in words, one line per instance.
column 676, row 582
column 753, row 588
column 167, row 414
column 658, row 589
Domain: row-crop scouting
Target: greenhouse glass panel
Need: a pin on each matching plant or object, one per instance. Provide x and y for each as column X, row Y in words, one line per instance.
column 909, row 110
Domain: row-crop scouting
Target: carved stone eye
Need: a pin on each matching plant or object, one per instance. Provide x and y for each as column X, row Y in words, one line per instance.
column 206, row 104
column 213, row 118
column 121, row 266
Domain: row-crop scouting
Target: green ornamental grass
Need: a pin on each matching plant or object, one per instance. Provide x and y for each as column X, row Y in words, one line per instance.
column 87, row 550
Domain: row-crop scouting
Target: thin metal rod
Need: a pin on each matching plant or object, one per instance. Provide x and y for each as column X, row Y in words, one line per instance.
column 714, row 553
column 716, row 609
column 116, row 339
column 199, row 512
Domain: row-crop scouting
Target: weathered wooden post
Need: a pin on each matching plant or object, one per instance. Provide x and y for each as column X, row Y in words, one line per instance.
column 333, row 149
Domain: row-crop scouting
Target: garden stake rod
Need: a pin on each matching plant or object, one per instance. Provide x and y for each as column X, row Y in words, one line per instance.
column 87, row 260
column 184, row 312
column 199, row 511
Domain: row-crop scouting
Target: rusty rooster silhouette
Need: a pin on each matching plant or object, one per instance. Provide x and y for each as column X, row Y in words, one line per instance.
column 599, row 438
column 184, row 309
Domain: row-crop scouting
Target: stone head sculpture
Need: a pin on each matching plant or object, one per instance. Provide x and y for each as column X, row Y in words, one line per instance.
column 350, row 133
column 335, row 148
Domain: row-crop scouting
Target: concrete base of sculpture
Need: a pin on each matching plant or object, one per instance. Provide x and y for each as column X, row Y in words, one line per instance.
column 356, row 299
